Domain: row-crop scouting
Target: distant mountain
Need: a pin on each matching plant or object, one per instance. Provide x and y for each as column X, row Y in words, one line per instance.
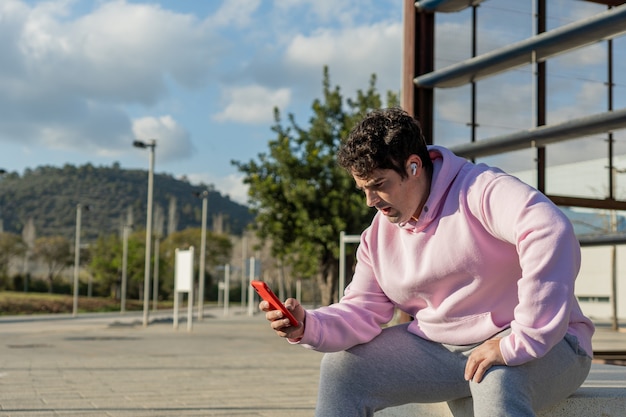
column 49, row 196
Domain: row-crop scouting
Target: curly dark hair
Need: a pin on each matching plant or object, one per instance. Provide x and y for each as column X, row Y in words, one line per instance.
column 384, row 139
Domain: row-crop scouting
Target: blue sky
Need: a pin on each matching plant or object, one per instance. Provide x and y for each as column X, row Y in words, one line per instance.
column 80, row 80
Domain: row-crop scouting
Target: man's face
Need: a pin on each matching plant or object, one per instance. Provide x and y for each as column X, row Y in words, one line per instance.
column 395, row 197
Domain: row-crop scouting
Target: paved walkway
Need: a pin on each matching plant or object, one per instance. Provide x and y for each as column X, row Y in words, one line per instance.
column 110, row 365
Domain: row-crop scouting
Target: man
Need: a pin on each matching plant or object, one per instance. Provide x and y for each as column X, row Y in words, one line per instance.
column 483, row 262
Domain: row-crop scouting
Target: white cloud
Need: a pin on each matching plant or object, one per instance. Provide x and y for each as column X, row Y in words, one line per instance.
column 172, row 141
column 586, row 99
column 66, row 80
column 352, row 55
column 595, row 54
column 233, row 186
column 345, row 12
column 252, row 104
column 324, row 10
column 230, row 185
column 453, row 43
column 236, row 13
column 583, row 10
column 121, row 52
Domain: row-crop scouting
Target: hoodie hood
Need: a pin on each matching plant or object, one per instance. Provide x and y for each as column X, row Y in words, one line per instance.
column 446, row 167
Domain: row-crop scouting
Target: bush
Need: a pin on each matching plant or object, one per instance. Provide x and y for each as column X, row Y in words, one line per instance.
column 18, row 303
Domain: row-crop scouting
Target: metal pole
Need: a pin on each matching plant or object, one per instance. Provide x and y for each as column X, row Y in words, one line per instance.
column 76, row 260
column 2, row 172
column 251, row 277
column 155, row 277
column 473, row 123
column 541, row 78
column 343, row 239
column 190, row 296
column 244, row 250
column 205, row 196
column 612, row 191
column 226, row 288
column 146, row 287
column 614, row 321
column 176, row 294
column 124, row 269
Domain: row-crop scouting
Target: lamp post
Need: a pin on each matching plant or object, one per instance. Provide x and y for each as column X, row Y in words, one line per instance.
column 127, row 229
column 146, row 287
column 2, row 172
column 158, row 233
column 77, row 257
column 204, row 195
column 244, row 268
column 155, row 277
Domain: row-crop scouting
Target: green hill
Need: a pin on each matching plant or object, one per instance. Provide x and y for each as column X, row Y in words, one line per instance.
column 49, row 196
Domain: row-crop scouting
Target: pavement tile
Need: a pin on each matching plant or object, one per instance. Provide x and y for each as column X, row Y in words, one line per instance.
column 97, row 366
column 109, row 365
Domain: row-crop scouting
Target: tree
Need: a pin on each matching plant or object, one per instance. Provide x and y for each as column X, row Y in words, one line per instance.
column 11, row 246
column 301, row 197
column 54, row 252
column 106, row 263
column 104, row 266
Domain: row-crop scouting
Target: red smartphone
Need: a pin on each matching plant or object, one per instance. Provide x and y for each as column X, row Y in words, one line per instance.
column 266, row 293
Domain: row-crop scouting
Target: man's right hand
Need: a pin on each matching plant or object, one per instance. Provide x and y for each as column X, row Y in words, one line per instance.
column 280, row 324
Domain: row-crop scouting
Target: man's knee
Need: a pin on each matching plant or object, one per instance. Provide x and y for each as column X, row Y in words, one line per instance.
column 503, row 388
column 502, row 381
column 338, row 366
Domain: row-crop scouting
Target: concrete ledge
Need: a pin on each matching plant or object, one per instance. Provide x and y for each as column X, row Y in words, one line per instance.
column 602, row 394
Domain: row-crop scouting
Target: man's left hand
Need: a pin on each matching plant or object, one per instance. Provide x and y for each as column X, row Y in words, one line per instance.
column 482, row 358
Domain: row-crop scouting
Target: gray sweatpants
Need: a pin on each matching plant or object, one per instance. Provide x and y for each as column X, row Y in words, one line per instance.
column 398, row 367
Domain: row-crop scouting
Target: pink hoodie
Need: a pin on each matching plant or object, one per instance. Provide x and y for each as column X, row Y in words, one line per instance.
column 487, row 253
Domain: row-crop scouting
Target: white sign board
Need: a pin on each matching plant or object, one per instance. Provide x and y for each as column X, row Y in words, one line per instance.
column 184, row 270
column 183, row 282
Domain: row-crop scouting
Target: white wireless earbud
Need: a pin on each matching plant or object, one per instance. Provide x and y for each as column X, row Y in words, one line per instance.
column 413, row 168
